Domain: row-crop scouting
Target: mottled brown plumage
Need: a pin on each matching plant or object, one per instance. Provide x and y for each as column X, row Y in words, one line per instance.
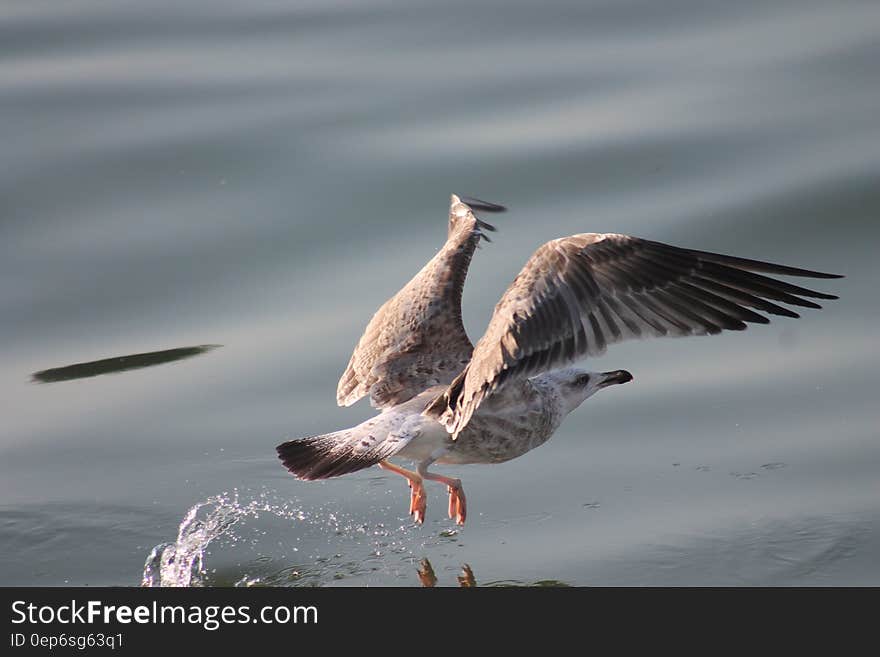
column 416, row 339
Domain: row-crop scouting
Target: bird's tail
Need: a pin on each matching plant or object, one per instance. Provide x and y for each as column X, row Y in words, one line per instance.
column 338, row 453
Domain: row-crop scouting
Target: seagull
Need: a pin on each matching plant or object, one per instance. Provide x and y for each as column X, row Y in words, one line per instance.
column 445, row 401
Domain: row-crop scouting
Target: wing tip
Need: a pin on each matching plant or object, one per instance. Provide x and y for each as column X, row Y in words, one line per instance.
column 345, row 398
column 749, row 264
column 822, row 274
column 483, row 206
column 349, row 390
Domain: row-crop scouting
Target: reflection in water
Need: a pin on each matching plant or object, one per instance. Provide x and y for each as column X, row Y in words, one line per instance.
column 119, row 364
column 467, row 579
column 429, row 580
column 426, row 574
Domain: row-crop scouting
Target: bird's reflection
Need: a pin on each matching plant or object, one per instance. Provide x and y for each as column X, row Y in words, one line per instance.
column 429, row 579
column 466, row 578
column 119, row 364
column 426, row 574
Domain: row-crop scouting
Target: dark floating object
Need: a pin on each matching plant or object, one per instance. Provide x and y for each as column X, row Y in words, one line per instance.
column 119, row 364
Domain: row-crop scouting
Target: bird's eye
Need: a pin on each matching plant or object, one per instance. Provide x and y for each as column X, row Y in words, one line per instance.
column 583, row 379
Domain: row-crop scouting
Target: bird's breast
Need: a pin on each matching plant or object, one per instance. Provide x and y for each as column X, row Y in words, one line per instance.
column 511, row 424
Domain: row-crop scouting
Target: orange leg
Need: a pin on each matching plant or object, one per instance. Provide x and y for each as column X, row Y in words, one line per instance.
column 457, row 502
column 418, row 500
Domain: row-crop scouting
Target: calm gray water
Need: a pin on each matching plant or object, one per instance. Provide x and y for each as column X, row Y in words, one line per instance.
column 263, row 175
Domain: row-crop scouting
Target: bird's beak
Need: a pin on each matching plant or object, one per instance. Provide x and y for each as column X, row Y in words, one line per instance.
column 615, row 377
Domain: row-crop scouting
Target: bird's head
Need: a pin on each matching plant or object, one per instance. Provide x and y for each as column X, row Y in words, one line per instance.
column 576, row 385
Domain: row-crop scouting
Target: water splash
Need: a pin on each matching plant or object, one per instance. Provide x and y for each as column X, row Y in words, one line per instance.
column 182, row 563
column 315, row 546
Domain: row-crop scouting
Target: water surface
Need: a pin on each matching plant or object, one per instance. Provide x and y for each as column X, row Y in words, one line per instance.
column 263, row 175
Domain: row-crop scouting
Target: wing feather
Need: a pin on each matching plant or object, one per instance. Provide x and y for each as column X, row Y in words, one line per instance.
column 578, row 294
column 417, row 338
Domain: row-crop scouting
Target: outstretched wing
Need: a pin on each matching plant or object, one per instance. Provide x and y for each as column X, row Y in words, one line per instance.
column 417, row 339
column 578, row 294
